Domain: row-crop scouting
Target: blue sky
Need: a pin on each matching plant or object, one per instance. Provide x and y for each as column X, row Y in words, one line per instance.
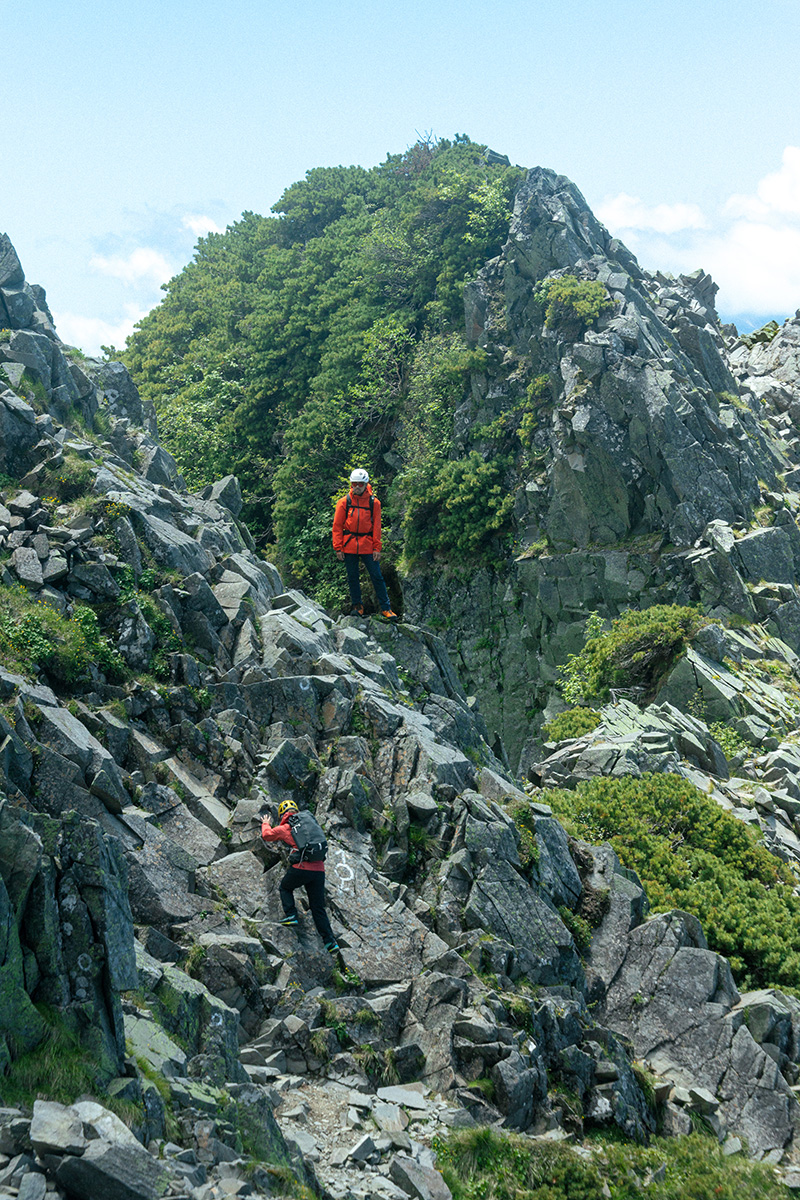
column 129, row 131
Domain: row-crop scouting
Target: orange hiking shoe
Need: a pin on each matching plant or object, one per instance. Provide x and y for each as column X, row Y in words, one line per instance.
column 388, row 615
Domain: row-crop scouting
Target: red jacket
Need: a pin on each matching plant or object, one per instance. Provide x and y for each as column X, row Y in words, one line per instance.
column 351, row 531
column 282, row 833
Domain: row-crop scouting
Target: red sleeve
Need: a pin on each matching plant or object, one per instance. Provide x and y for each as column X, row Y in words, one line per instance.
column 278, row 833
column 338, row 524
column 376, row 526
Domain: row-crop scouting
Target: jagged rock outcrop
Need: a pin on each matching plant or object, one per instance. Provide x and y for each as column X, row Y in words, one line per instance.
column 658, row 439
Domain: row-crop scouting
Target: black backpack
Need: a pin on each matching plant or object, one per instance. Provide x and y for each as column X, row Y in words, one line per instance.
column 312, row 845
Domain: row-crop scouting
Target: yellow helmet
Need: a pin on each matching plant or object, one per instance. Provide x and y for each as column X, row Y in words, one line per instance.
column 287, row 806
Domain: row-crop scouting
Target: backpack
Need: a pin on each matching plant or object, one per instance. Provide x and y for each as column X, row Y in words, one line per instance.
column 312, row 845
column 348, row 505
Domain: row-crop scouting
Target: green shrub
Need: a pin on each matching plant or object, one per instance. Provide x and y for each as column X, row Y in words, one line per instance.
column 525, row 821
column 167, row 640
column 690, row 854
column 193, row 963
column 484, row 1164
column 636, row 651
column 537, row 396
column 572, row 305
column 32, row 634
column 109, row 660
column 571, row 724
column 578, row 926
column 35, row 389
column 728, row 739
column 456, row 509
column 72, row 479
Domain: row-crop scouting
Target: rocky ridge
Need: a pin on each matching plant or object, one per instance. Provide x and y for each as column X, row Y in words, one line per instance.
column 138, row 902
column 661, row 465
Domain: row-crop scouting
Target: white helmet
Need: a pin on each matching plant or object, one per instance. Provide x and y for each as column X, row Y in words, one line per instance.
column 359, row 475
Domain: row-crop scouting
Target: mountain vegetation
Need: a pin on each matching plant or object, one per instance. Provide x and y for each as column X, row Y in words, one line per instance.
column 330, row 334
column 692, row 855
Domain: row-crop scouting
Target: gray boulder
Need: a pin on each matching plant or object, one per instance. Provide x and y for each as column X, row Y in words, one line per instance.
column 519, row 1089
column 114, row 1172
column 674, row 999
column 504, row 905
column 56, row 1129
column 227, row 492
column 20, row 1023
column 11, row 273
column 69, row 737
column 18, row 434
column 418, row 1181
column 119, row 393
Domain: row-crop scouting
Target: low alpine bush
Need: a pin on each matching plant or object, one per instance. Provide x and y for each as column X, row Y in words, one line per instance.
column 573, row 723
column 636, row 651
column 73, row 478
column 571, row 305
column 692, row 855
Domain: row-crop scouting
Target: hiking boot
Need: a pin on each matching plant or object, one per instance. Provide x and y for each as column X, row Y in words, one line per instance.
column 290, row 920
column 388, row 615
column 357, row 610
column 332, row 947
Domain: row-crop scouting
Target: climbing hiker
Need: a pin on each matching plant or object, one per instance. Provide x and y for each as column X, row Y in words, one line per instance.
column 308, row 846
column 357, row 539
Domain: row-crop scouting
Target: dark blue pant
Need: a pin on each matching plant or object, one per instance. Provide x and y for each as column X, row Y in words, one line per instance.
column 351, row 562
column 314, row 883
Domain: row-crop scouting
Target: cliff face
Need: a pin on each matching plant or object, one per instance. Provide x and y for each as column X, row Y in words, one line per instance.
column 655, row 432
column 160, row 687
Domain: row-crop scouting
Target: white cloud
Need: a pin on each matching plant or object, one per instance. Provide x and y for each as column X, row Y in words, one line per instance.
column 141, row 265
column 624, row 212
column 200, row 225
column 90, row 333
column 757, row 267
column 751, row 247
column 777, row 195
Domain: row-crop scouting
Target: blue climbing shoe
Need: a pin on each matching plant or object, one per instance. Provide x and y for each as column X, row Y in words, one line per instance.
column 290, row 921
column 332, row 947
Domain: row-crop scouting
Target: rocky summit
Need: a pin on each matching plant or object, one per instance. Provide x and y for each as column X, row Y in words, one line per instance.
column 161, row 1033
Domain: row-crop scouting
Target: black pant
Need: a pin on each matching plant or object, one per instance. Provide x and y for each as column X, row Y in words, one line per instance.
column 351, row 563
column 314, row 883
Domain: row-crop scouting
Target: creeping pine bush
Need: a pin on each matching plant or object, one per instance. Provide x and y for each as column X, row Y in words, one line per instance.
column 571, row 724
column 483, row 1164
column 636, row 651
column 456, row 508
column 571, row 305
column 691, row 855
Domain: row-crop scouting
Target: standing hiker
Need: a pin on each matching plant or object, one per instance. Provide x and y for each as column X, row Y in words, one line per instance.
column 357, row 539
column 306, row 869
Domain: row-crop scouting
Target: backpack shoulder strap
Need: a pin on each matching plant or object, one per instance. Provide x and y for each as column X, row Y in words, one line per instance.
column 347, row 507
